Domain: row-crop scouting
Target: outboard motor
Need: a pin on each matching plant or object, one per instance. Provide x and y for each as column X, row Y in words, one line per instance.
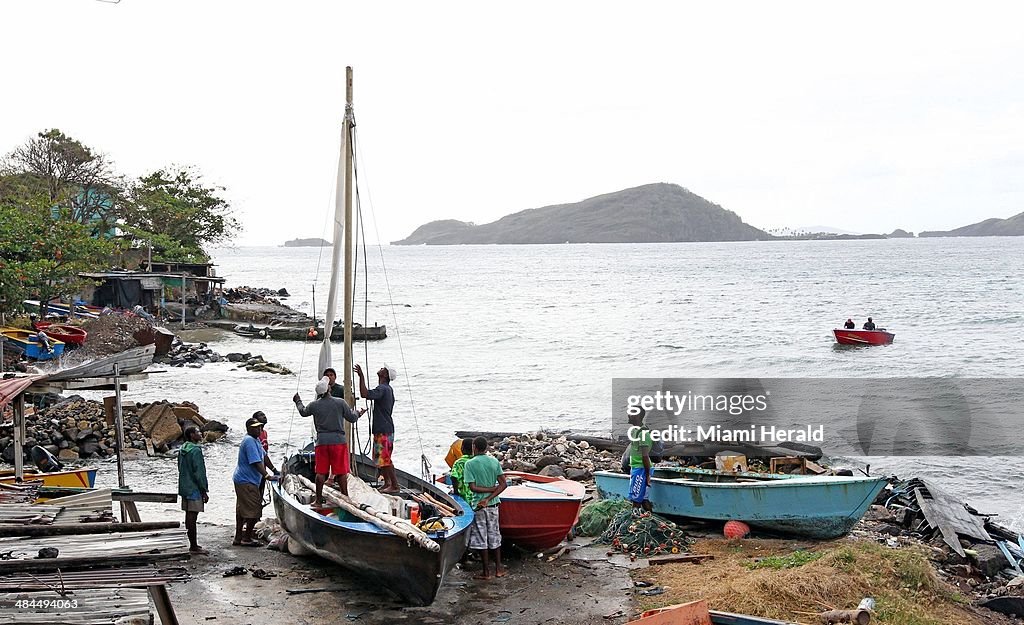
column 46, row 461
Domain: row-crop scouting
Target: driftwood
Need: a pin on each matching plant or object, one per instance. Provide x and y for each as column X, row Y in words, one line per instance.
column 383, row 520
column 857, row 617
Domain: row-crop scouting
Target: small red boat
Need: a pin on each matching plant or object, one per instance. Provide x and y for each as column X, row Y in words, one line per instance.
column 863, row 337
column 538, row 511
column 72, row 335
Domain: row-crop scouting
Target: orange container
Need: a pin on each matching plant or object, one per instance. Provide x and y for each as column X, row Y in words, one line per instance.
column 414, row 513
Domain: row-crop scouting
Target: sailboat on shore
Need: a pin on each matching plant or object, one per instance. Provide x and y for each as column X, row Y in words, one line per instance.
column 370, row 533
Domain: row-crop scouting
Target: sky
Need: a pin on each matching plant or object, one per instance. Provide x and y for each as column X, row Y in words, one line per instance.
column 865, row 117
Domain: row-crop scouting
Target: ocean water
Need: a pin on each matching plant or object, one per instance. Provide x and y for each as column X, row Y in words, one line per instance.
column 525, row 337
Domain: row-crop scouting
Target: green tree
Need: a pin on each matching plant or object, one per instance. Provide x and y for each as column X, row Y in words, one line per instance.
column 41, row 254
column 174, row 211
column 78, row 180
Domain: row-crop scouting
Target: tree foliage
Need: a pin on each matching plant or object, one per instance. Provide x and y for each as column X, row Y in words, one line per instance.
column 173, row 210
column 42, row 254
column 77, row 180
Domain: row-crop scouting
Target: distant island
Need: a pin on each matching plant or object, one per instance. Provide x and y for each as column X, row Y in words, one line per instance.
column 653, row 213
column 307, row 243
column 1009, row 227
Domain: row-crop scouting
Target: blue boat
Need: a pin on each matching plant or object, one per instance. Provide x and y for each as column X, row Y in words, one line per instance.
column 28, row 342
column 812, row 506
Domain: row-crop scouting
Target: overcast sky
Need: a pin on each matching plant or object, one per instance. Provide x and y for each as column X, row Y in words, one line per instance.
column 866, row 116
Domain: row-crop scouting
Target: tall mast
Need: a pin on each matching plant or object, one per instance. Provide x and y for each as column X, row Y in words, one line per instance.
column 349, row 279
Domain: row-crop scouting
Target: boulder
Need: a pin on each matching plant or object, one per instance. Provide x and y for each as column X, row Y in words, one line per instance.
column 213, row 426
column 545, row 461
column 988, row 559
column 237, row 357
column 579, row 475
column 67, row 454
column 88, row 448
column 165, row 431
column 189, row 414
column 552, row 470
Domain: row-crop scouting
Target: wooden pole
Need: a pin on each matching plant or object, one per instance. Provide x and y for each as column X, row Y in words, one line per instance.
column 347, row 155
column 183, row 301
column 19, row 437
column 119, row 433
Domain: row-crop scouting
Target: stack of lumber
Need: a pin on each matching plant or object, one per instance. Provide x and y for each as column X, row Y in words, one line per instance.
column 91, row 550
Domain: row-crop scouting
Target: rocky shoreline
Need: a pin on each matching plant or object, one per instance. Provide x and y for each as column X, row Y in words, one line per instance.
column 75, row 428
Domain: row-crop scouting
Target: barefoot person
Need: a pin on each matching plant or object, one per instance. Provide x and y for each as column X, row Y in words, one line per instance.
column 192, row 485
column 382, row 426
column 330, row 454
column 251, row 469
column 485, row 479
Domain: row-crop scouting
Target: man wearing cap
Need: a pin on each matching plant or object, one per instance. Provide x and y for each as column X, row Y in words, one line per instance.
column 330, row 454
column 382, row 427
column 251, row 469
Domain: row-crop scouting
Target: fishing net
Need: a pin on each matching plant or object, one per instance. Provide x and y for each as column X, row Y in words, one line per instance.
column 595, row 517
column 644, row 534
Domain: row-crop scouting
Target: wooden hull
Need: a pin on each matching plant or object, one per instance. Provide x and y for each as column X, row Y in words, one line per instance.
column 863, row 337
column 813, row 506
column 377, row 557
column 23, row 340
column 537, row 511
column 77, row 478
column 70, row 335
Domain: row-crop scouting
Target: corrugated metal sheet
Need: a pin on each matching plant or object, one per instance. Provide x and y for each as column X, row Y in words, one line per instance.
column 94, row 578
column 99, row 546
column 96, row 606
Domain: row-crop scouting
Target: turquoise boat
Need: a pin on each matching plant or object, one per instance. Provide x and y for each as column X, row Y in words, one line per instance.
column 813, row 506
column 27, row 341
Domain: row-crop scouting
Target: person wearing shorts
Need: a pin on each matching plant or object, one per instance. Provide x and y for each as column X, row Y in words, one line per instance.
column 251, row 469
column 192, row 485
column 330, row 454
column 485, row 479
column 382, row 425
column 639, row 459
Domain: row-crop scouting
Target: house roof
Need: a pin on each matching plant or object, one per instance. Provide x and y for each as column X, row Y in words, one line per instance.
column 138, row 275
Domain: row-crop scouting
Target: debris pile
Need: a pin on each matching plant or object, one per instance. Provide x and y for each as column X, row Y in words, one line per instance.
column 189, row 355
column 77, row 428
column 969, row 550
column 553, row 455
column 110, row 334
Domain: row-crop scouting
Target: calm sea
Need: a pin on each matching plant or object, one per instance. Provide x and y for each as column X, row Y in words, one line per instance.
column 526, row 337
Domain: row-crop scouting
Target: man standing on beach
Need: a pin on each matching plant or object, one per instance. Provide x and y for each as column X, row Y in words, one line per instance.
column 330, row 454
column 382, row 427
column 192, row 485
column 251, row 469
column 485, row 480
column 639, row 459
column 459, row 471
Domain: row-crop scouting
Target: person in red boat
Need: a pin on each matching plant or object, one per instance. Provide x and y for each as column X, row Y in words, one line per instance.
column 849, row 325
column 869, row 324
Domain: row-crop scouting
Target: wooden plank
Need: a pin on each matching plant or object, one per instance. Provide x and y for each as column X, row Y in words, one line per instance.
column 162, row 601
column 87, row 528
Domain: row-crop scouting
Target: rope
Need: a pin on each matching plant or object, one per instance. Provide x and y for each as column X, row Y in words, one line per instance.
column 398, row 337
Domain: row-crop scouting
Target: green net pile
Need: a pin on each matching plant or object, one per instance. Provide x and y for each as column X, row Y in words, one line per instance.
column 595, row 517
column 644, row 534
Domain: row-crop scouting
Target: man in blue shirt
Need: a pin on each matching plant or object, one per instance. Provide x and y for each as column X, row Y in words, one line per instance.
column 382, row 427
column 249, row 472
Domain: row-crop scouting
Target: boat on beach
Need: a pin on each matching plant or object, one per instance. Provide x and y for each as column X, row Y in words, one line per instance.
column 697, row 613
column 69, row 334
column 816, row 506
column 537, row 511
column 295, row 333
column 377, row 556
column 27, row 342
column 863, row 337
column 72, row 478
column 64, row 310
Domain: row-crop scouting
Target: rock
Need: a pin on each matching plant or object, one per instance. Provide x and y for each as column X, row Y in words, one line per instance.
column 552, row 470
column 878, row 513
column 165, row 431
column 214, row 426
column 8, row 454
column 524, row 466
column 88, row 448
column 212, row 436
column 584, row 445
column 67, row 454
column 84, row 434
column 988, row 559
column 283, row 292
column 237, row 357
column 579, row 475
column 546, row 460
column 53, row 449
